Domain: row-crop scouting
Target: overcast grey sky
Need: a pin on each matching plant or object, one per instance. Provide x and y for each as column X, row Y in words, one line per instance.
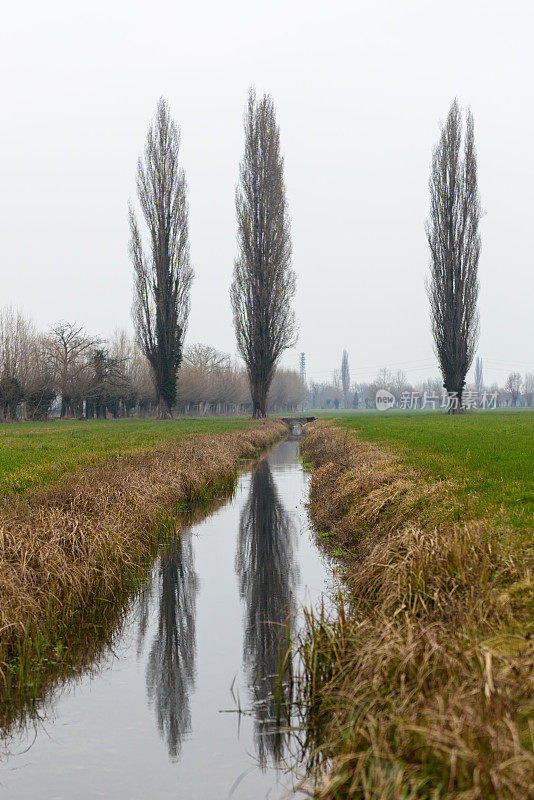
column 360, row 89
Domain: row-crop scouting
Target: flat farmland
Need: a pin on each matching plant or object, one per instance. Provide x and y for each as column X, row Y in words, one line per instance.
column 37, row 453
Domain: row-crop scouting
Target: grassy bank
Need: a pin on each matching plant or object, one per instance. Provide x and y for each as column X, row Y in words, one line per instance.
column 38, row 453
column 70, row 552
column 490, row 456
column 421, row 687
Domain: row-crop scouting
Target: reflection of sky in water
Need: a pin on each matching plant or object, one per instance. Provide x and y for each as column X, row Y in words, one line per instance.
column 196, row 644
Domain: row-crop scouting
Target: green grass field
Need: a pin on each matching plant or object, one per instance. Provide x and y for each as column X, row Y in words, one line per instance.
column 35, row 453
column 490, row 453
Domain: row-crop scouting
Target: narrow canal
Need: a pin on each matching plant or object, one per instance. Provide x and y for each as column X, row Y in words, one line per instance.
column 160, row 718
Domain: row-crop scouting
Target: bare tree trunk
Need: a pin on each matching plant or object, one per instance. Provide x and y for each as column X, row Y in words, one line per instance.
column 264, row 283
column 259, row 398
column 454, row 240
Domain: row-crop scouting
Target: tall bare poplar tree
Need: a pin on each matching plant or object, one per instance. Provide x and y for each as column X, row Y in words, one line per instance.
column 454, row 239
column 163, row 277
column 264, row 283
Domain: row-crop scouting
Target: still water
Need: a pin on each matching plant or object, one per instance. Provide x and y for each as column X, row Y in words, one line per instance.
column 159, row 719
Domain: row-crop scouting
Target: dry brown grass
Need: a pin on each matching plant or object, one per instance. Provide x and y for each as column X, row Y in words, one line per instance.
column 359, row 493
column 73, row 548
column 422, row 685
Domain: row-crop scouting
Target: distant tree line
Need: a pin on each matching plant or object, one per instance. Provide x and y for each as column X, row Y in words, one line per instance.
column 517, row 390
column 210, row 383
column 67, row 373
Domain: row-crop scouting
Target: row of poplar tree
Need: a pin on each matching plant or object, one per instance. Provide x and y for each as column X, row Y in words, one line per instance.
column 263, row 283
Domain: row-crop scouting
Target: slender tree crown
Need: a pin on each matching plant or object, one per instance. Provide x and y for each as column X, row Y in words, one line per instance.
column 454, row 240
column 264, row 283
column 162, row 278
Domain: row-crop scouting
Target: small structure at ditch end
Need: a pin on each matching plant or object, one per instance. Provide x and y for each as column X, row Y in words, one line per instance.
column 295, row 423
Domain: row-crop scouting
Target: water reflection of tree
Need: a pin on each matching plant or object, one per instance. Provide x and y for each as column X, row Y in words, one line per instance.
column 267, row 576
column 171, row 662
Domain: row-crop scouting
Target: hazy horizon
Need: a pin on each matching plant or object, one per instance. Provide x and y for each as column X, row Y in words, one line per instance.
column 359, row 90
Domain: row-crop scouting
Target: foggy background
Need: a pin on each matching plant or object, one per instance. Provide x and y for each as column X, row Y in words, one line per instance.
column 359, row 89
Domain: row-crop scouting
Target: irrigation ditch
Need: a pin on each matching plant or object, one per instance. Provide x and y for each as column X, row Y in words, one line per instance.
column 71, row 554
column 229, row 641
column 161, row 652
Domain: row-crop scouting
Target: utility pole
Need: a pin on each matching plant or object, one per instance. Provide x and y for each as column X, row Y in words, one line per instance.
column 303, row 373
